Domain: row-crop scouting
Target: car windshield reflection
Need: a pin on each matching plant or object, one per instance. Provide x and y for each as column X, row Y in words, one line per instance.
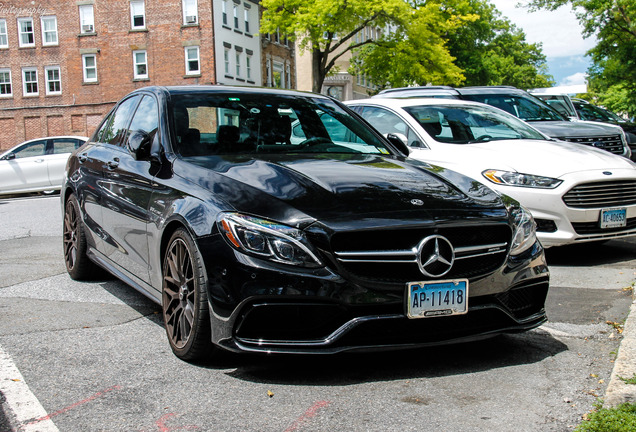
column 469, row 124
column 220, row 124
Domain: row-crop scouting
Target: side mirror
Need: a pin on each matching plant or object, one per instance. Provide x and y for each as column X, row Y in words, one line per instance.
column 398, row 143
column 139, row 143
column 9, row 156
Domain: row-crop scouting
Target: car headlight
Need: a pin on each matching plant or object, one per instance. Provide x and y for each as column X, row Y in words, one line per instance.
column 267, row 239
column 525, row 231
column 510, row 178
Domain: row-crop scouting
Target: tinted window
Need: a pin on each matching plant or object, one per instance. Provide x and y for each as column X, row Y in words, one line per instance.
column 65, row 145
column 147, row 116
column 526, row 108
column 206, row 124
column 117, row 128
column 37, row 148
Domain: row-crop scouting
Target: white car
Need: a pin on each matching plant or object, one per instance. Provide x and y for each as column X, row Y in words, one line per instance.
column 575, row 192
column 36, row 165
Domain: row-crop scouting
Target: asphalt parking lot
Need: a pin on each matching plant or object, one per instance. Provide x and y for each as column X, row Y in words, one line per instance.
column 94, row 357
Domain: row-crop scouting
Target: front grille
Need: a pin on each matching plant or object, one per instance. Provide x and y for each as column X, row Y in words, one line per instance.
column 391, row 256
column 611, row 143
column 584, row 228
column 602, row 194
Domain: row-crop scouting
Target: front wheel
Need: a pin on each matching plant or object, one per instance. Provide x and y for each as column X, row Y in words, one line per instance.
column 78, row 265
column 184, row 298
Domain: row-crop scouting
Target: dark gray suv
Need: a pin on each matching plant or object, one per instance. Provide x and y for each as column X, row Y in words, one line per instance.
column 530, row 109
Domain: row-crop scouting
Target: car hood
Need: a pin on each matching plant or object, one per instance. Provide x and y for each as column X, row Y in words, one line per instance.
column 560, row 129
column 537, row 157
column 338, row 188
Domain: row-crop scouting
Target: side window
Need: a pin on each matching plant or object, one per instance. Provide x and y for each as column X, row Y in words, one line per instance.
column 118, row 127
column 65, row 145
column 36, row 148
column 336, row 130
column 387, row 122
column 146, row 117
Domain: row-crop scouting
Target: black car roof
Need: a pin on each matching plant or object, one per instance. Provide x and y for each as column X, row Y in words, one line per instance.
column 187, row 89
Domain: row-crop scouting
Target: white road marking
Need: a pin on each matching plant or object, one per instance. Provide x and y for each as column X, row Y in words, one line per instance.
column 26, row 408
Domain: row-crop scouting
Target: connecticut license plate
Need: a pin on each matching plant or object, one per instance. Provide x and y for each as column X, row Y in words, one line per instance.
column 439, row 298
column 613, row 218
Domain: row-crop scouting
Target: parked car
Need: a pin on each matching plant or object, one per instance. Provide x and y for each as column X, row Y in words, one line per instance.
column 580, row 109
column 36, row 165
column 197, row 197
column 576, row 193
column 530, row 109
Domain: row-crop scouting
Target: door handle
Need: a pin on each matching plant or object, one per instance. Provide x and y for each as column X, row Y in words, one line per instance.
column 112, row 164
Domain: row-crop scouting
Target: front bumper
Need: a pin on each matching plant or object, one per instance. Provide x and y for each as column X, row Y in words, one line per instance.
column 258, row 307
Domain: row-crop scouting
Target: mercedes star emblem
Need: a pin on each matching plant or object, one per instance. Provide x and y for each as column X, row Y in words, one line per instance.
column 435, row 256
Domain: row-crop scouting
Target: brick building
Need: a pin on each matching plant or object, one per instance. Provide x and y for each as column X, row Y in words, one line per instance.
column 64, row 64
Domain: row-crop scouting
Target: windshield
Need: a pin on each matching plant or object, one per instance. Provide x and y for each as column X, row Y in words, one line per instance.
column 234, row 123
column 465, row 124
column 526, row 108
column 594, row 113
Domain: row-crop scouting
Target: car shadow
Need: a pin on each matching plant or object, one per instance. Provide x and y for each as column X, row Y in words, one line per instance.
column 593, row 253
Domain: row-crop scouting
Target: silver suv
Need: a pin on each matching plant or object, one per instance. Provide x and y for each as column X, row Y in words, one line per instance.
column 530, row 109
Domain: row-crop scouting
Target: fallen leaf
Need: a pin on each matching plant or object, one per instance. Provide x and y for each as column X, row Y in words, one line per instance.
column 270, row 393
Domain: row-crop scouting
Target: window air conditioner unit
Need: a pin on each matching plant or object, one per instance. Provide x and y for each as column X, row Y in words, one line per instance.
column 87, row 28
column 191, row 19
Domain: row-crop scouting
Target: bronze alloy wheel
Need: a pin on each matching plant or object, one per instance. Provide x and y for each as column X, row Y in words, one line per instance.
column 78, row 265
column 184, row 300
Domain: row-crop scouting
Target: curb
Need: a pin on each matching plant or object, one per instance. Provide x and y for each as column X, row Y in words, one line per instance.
column 618, row 391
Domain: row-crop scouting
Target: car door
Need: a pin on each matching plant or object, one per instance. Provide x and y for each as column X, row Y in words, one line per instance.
column 25, row 168
column 58, row 150
column 127, row 190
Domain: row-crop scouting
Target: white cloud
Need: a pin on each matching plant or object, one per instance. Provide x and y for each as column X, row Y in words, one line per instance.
column 558, row 31
column 574, row 79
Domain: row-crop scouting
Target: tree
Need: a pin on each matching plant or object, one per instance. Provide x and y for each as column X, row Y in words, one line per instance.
column 612, row 76
column 492, row 51
column 327, row 27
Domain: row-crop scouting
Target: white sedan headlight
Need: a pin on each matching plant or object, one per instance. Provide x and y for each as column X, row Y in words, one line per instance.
column 511, row 178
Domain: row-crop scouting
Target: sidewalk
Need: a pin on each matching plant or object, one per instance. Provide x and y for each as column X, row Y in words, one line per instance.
column 618, row 391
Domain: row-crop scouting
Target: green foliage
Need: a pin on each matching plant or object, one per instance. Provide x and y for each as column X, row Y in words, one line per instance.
column 613, row 73
column 619, row 419
column 631, row 381
column 492, row 51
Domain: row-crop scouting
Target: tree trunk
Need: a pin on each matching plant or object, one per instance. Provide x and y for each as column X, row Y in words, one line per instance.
column 317, row 70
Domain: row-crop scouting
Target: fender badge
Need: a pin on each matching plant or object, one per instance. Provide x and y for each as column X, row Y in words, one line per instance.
column 607, row 173
column 417, row 202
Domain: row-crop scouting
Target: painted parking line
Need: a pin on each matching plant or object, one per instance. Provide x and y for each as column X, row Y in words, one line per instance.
column 18, row 397
column 307, row 416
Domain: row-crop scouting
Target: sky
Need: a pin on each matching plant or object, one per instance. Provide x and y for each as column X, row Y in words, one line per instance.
column 560, row 35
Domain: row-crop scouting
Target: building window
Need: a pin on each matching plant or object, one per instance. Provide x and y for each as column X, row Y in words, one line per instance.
column 236, row 19
column 89, row 66
column 190, row 14
column 248, row 67
column 246, row 14
column 137, row 15
column 268, row 77
column 226, row 59
column 238, row 64
column 5, row 83
column 192, row 60
column 53, row 80
column 287, row 77
column 87, row 19
column 4, row 39
column 278, row 76
column 49, row 30
column 25, row 30
column 140, row 61
column 224, row 12
column 30, row 81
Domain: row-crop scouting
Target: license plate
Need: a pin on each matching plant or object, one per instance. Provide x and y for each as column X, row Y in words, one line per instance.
column 614, row 218
column 439, row 298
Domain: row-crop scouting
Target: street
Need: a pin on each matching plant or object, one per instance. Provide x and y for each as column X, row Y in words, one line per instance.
column 95, row 357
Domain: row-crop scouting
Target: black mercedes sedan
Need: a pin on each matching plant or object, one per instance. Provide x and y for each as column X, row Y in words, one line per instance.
column 279, row 221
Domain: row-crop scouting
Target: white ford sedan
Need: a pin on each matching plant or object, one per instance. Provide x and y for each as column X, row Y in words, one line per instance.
column 36, row 165
column 575, row 192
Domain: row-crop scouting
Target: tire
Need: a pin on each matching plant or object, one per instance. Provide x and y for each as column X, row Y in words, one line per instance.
column 184, row 298
column 78, row 265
